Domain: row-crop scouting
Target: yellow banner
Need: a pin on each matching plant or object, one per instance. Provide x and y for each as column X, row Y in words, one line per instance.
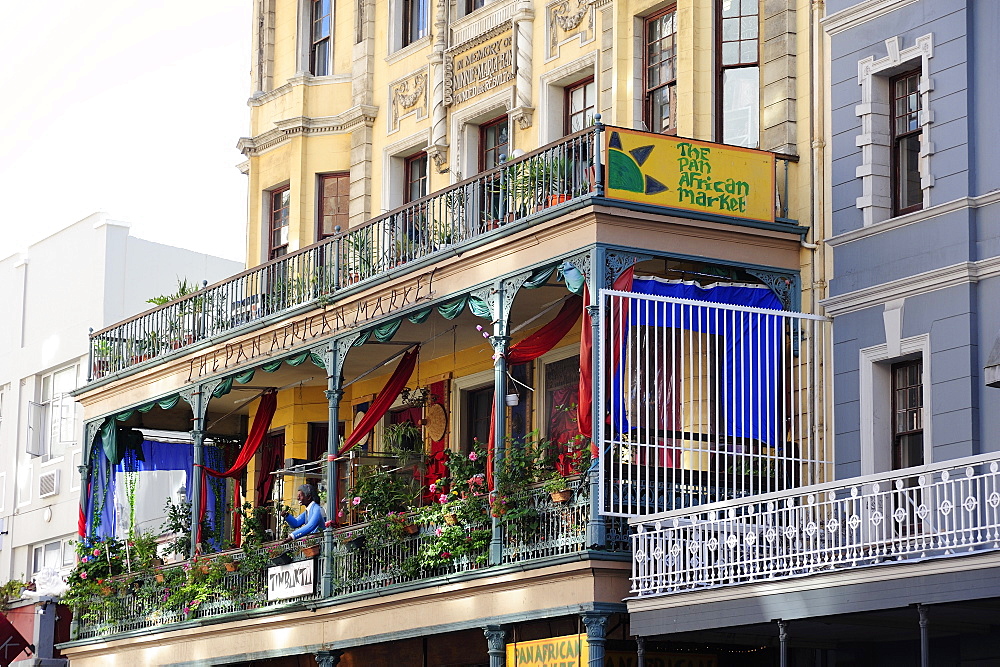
column 568, row 651
column 693, row 175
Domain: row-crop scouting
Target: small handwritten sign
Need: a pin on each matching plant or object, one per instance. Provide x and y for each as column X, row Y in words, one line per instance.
column 292, row 580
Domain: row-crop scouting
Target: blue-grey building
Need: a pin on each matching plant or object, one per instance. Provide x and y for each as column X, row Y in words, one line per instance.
column 895, row 559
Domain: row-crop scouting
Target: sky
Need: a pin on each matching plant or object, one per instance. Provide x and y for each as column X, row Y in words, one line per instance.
column 132, row 107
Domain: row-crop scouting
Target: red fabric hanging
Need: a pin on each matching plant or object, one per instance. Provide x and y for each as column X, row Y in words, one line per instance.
column 584, row 410
column 383, row 401
column 530, row 349
column 261, row 424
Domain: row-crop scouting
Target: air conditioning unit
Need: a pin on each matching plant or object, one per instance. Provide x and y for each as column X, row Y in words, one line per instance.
column 48, row 484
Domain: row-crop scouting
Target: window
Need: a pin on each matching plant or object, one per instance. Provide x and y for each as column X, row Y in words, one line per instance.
column 416, row 178
column 739, row 76
column 494, row 141
column 334, row 199
column 52, row 421
column 907, row 414
column 562, row 395
column 580, row 105
column 473, row 5
column 414, row 21
column 479, row 408
column 660, row 71
column 278, row 222
column 57, row 555
column 905, row 120
column 319, row 52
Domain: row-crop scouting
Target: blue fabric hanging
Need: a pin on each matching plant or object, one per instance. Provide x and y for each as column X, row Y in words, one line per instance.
column 750, row 369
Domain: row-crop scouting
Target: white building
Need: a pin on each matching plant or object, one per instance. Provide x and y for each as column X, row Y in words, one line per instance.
column 88, row 275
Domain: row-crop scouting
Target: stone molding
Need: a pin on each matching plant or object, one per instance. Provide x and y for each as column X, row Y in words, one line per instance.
column 299, row 125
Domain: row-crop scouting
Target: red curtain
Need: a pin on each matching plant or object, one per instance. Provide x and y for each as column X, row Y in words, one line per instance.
column 261, row 424
column 436, row 468
column 530, row 349
column 383, row 401
column 584, row 408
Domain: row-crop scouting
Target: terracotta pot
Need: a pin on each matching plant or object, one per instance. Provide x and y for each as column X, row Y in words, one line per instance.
column 230, row 567
column 451, row 519
column 561, row 496
column 106, row 591
column 205, row 569
column 310, row 551
column 159, row 578
column 557, row 199
column 411, row 529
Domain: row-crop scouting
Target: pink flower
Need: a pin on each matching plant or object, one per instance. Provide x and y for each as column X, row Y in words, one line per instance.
column 433, row 488
column 473, row 456
column 340, row 514
column 356, row 501
column 97, row 552
column 442, row 499
column 83, row 575
column 438, row 532
column 328, row 524
column 445, row 554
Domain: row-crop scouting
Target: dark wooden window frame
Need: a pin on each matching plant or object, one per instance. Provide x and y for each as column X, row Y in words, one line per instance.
column 897, row 138
column 408, row 179
column 272, row 217
column 316, row 42
column 671, row 85
column 320, row 189
column 567, row 97
column 483, row 150
column 897, row 434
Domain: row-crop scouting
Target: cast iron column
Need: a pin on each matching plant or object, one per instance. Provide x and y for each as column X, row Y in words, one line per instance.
column 496, row 637
column 596, row 624
column 783, row 643
column 640, row 651
column 198, row 438
column 334, row 362
column 500, row 341
column 330, row 658
column 925, row 637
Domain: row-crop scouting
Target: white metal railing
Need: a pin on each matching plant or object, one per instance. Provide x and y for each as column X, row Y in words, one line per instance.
column 907, row 515
column 706, row 402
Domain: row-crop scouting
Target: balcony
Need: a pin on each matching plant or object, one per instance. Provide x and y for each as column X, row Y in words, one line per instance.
column 364, row 561
column 598, row 166
column 944, row 510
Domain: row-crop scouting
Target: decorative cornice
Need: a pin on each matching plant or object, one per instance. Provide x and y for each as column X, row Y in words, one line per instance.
column 290, row 127
column 861, row 13
column 921, row 283
column 915, row 217
column 262, row 98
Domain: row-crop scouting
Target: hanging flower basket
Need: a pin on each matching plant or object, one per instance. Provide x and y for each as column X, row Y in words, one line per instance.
column 230, row 567
column 411, row 529
column 310, row 551
column 561, row 496
column 451, row 519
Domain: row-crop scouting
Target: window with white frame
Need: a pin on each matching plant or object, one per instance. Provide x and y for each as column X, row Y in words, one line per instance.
column 413, row 21
column 57, row 555
column 319, row 37
column 52, row 420
column 895, row 127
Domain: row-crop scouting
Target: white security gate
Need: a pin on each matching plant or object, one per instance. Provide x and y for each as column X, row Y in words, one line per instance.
column 706, row 402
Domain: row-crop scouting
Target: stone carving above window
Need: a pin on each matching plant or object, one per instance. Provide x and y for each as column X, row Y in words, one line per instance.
column 408, row 96
column 566, row 20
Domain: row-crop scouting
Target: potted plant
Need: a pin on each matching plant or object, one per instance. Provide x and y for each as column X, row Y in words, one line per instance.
column 557, row 488
column 310, row 547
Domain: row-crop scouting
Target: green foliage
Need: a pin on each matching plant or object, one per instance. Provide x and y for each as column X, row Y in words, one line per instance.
column 183, row 289
column 253, row 525
column 91, row 590
column 379, row 491
column 452, row 543
column 178, row 524
column 9, row 592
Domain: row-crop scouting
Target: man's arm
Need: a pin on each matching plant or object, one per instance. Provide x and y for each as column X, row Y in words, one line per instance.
column 295, row 521
column 312, row 520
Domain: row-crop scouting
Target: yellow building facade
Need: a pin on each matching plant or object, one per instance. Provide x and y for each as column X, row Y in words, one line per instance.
column 458, row 181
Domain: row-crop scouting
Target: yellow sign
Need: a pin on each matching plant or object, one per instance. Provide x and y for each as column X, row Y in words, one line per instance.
column 483, row 64
column 688, row 174
column 568, row 651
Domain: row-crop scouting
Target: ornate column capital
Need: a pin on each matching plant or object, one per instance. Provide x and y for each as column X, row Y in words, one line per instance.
column 329, row 658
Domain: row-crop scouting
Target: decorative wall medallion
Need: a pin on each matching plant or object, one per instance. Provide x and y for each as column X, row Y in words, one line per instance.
column 568, row 19
column 408, row 96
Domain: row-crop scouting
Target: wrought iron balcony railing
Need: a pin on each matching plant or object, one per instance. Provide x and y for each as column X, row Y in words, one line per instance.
column 932, row 511
column 408, row 237
column 203, row 589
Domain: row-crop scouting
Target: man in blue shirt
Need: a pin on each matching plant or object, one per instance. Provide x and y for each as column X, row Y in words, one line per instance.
column 310, row 521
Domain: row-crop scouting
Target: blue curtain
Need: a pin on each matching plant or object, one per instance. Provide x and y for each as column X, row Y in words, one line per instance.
column 749, row 373
column 155, row 456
